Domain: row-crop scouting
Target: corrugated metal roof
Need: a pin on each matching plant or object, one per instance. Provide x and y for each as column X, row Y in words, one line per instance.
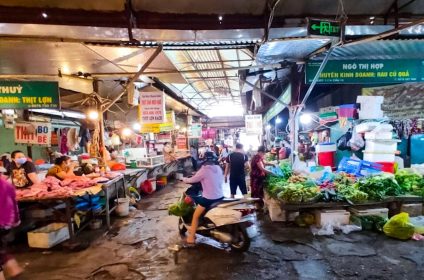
column 211, row 91
column 292, row 49
column 383, row 49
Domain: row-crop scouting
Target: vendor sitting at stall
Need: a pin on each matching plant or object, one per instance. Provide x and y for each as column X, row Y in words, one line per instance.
column 168, row 153
column 22, row 172
column 63, row 168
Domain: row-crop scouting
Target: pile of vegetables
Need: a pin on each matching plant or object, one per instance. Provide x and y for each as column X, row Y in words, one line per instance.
column 270, row 157
column 296, row 193
column 379, row 186
column 182, row 208
column 286, row 169
column 410, row 182
column 292, row 188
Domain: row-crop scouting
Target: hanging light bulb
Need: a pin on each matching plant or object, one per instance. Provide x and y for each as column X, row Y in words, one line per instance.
column 126, row 132
column 93, row 115
column 305, row 118
column 137, row 126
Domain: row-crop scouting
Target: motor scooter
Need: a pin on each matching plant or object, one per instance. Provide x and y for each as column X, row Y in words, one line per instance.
column 226, row 221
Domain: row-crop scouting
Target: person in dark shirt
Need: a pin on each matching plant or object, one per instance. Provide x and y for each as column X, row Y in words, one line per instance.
column 237, row 162
column 21, row 171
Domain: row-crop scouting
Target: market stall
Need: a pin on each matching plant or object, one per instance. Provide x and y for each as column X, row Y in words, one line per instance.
column 324, row 198
column 45, row 200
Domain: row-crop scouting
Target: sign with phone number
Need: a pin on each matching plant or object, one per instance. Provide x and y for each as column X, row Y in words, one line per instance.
column 33, row 133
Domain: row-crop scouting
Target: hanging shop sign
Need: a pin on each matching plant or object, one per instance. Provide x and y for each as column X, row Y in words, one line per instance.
column 367, row 71
column 169, row 124
column 150, row 128
column 324, row 27
column 29, row 95
column 152, row 107
column 195, row 130
column 33, row 133
column 253, row 124
column 181, row 142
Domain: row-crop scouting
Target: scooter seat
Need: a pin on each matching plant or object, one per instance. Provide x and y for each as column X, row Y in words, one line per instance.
column 225, row 200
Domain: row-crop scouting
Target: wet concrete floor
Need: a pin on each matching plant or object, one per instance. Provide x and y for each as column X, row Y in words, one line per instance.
column 137, row 247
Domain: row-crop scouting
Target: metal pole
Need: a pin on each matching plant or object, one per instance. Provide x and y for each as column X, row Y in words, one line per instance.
column 314, row 81
column 135, row 77
column 296, row 111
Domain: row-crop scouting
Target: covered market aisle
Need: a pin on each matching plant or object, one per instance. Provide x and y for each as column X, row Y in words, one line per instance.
column 108, row 107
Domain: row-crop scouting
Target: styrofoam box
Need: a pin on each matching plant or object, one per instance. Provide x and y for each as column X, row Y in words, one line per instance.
column 370, row 107
column 322, row 148
column 48, row 236
column 381, row 212
column 276, row 214
column 365, row 114
column 379, row 157
column 384, row 146
column 378, row 135
column 334, row 217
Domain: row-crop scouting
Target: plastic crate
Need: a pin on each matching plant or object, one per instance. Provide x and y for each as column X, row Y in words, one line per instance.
column 358, row 167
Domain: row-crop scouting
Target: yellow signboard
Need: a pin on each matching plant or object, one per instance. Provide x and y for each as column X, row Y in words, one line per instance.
column 170, row 122
column 150, row 128
column 169, row 125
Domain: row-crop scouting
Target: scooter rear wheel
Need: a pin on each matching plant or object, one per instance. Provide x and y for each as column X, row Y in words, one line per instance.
column 243, row 240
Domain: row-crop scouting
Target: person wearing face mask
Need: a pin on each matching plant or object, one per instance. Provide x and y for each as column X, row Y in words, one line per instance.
column 63, row 168
column 22, row 172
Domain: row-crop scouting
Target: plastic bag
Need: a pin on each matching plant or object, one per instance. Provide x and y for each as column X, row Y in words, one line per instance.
column 346, row 229
column 327, row 229
column 399, row 227
column 356, row 142
column 343, row 141
column 418, row 223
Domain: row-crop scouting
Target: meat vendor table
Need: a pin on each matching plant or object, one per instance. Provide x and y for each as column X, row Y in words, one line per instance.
column 110, row 188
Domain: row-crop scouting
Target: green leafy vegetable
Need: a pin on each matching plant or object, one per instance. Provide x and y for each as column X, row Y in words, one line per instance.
column 379, row 186
column 408, row 180
column 180, row 209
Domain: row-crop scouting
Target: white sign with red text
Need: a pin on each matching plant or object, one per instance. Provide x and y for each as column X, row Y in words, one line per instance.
column 152, row 107
column 253, row 124
column 33, row 133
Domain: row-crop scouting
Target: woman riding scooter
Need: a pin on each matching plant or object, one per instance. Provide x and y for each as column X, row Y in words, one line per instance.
column 211, row 177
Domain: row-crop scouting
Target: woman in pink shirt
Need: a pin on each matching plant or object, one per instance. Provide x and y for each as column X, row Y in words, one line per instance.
column 9, row 218
column 211, row 177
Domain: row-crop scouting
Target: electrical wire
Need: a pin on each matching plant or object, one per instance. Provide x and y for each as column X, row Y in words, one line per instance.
column 271, row 17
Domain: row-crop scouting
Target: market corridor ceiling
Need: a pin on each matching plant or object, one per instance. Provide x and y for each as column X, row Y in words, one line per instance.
column 211, row 91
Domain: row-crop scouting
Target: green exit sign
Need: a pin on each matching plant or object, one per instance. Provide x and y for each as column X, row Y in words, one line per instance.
column 324, row 27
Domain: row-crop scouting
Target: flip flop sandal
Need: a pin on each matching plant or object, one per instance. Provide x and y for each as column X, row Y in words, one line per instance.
column 189, row 244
